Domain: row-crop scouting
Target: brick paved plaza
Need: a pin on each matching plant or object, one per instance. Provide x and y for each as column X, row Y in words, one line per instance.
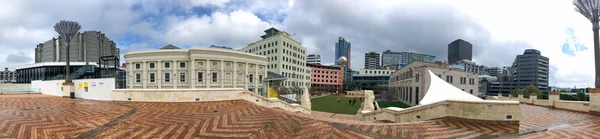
column 41, row 116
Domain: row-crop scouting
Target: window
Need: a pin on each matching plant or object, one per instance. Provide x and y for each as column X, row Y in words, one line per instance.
column 181, row 64
column 417, row 78
column 151, row 77
column 451, row 79
column 151, row 65
column 167, row 65
column 200, row 75
column 137, row 66
column 447, row 78
column 260, row 77
column 471, row 91
column 167, row 77
column 214, row 77
column 138, row 78
column 182, row 77
column 250, row 77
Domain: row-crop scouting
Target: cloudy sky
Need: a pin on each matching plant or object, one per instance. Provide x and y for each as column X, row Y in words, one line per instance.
column 498, row 29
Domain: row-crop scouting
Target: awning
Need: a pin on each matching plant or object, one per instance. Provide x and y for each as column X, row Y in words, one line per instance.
column 440, row 90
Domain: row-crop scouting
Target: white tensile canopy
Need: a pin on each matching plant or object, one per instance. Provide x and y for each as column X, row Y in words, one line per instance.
column 440, row 90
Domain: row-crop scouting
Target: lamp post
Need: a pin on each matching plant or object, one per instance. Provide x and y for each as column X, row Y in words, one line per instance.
column 67, row 30
column 589, row 9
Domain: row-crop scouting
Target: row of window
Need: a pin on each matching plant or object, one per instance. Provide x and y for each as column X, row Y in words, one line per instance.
column 199, row 77
column 325, row 81
column 463, row 80
column 166, row 65
column 324, row 76
column 295, row 76
column 378, row 72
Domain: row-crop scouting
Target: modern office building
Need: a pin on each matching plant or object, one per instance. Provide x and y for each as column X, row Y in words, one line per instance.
column 171, row 68
column 343, row 48
column 459, row 50
column 372, row 60
column 376, row 71
column 313, row 59
column 326, row 78
column 7, row 76
column 88, row 46
column 92, row 55
column 468, row 66
column 371, row 81
column 530, row 68
column 393, row 58
column 411, row 82
column 494, row 71
column 285, row 55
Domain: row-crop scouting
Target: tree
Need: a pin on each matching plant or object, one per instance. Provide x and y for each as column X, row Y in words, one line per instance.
column 580, row 96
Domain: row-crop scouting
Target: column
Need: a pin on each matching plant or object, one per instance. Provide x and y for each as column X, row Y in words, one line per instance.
column 208, row 73
column 520, row 95
column 222, row 73
column 532, row 98
column 245, row 74
column 595, row 101
column 131, row 77
column 553, row 96
column 158, row 75
column 174, row 75
column 234, row 74
column 193, row 73
column 144, row 75
column 254, row 78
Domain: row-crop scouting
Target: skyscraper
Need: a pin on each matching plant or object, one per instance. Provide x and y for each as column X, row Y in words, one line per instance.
column 459, row 50
column 372, row 60
column 530, row 68
column 313, row 59
column 343, row 48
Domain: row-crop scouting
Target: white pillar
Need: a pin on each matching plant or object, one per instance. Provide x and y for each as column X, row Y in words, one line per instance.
column 222, row 73
column 159, row 66
column 193, row 73
column 144, row 75
column 208, row 73
column 234, row 80
column 175, row 75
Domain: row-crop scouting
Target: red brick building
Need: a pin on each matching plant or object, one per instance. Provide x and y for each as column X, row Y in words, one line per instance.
column 326, row 78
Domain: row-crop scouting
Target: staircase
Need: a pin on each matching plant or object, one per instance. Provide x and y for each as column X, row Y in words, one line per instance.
column 77, row 74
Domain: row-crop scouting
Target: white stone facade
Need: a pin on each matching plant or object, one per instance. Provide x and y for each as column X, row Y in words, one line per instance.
column 410, row 83
column 286, row 57
column 196, row 68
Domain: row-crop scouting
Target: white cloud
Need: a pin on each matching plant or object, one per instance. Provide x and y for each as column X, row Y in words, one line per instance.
column 218, row 3
column 235, row 29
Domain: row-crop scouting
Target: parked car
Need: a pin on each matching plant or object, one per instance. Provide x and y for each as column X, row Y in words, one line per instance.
column 482, row 96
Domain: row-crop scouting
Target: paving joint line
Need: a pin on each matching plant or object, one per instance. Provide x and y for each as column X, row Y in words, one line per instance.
column 546, row 128
column 101, row 129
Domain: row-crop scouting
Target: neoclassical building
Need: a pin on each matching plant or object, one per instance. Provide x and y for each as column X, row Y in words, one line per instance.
column 174, row 68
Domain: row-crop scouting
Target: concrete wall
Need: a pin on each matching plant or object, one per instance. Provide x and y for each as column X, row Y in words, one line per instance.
column 98, row 89
column 540, row 102
column 199, row 95
column 581, row 106
column 488, row 110
column 10, row 88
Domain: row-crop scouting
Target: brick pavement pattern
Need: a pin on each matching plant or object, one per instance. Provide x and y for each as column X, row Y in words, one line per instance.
column 40, row 116
column 537, row 118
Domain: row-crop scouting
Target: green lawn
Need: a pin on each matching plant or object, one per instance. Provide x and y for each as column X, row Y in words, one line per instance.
column 330, row 104
column 392, row 104
column 377, row 96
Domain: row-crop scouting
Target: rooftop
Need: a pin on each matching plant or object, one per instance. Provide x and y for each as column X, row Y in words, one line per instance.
column 43, row 116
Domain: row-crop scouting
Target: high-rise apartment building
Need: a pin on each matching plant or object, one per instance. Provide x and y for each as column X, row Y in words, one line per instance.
column 459, row 50
column 394, row 58
column 313, row 59
column 343, row 48
column 372, row 60
column 286, row 56
column 493, row 71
